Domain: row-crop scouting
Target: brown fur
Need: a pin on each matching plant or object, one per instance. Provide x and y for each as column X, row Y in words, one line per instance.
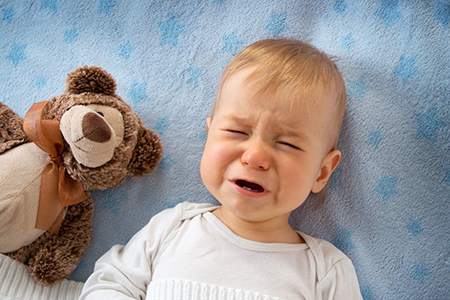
column 52, row 258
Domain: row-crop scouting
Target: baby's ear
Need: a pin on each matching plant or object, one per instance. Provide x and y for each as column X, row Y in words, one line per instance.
column 146, row 155
column 329, row 164
column 208, row 123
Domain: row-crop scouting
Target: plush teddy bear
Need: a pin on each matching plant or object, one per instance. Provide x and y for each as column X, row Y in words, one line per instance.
column 86, row 139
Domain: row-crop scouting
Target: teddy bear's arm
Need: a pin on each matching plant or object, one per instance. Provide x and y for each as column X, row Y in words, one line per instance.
column 11, row 131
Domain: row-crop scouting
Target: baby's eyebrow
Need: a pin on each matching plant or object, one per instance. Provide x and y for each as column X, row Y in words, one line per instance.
column 238, row 119
column 280, row 129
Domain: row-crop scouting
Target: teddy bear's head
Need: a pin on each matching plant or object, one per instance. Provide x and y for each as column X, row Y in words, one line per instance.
column 105, row 140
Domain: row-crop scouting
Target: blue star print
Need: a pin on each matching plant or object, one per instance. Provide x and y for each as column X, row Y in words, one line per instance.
column 388, row 11
column 166, row 162
column 343, row 240
column 358, row 89
column 375, row 138
column 232, row 43
column 17, row 54
column 447, row 177
column 420, row 272
column 51, row 4
column 347, row 41
column 138, row 92
column 367, row 293
column 170, row 31
column 340, row 6
column 8, row 14
column 70, row 35
column 194, row 76
column 386, row 188
column 106, row 6
column 414, row 226
column 162, row 124
column 112, row 200
column 442, row 13
column 406, row 68
column 40, row 83
column 277, row 24
column 429, row 125
column 125, row 50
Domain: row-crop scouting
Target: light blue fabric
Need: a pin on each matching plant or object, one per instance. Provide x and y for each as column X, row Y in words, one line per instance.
column 387, row 206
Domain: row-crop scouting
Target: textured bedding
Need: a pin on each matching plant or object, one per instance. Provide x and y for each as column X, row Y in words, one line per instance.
column 387, row 206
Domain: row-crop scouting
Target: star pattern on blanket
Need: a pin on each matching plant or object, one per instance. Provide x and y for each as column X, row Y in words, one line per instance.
column 447, row 177
column 8, row 14
column 340, row 6
column 202, row 135
column 111, row 200
column 442, row 13
column 106, row 6
column 138, row 92
column 162, row 124
column 406, row 68
column 277, row 24
column 429, row 125
column 392, row 58
column 231, row 43
column 194, row 76
column 170, row 31
column 386, row 187
column 125, row 50
column 17, row 53
column 357, row 89
column 388, row 12
column 414, row 226
column 70, row 35
column 49, row 4
column 375, row 138
column 343, row 239
column 166, row 162
column 347, row 42
column 420, row 272
column 40, row 83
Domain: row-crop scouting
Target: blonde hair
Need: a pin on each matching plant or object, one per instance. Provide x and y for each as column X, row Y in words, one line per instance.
column 294, row 71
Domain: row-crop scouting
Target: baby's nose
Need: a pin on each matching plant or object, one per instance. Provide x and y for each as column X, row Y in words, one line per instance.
column 256, row 157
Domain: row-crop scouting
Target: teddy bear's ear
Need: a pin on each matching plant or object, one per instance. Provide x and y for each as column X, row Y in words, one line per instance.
column 146, row 155
column 90, row 79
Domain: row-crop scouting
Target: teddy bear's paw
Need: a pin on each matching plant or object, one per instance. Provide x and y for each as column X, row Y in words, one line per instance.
column 51, row 268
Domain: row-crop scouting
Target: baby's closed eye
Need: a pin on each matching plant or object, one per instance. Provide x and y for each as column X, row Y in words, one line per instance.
column 289, row 145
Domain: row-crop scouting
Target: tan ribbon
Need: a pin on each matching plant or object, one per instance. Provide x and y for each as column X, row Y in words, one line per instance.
column 58, row 189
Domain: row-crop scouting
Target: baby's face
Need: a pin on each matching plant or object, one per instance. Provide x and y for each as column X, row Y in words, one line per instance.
column 262, row 160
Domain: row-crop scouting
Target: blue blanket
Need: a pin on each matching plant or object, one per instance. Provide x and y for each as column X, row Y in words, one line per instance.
column 387, row 206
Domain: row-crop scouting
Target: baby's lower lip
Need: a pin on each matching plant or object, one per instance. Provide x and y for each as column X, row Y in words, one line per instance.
column 247, row 192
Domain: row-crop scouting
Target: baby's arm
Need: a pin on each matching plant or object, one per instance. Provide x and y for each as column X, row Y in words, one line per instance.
column 340, row 283
column 125, row 272
column 122, row 273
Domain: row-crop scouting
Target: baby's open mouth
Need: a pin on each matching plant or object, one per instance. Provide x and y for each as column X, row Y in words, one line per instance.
column 250, row 186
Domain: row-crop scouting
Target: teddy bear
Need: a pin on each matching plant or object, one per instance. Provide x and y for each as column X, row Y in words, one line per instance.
column 86, row 139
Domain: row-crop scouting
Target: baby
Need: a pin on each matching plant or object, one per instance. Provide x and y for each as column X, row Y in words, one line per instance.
column 272, row 139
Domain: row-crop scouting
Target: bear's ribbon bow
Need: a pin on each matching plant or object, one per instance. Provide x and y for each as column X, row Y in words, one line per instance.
column 58, row 189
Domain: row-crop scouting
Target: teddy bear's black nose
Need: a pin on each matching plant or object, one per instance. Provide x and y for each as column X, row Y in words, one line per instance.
column 95, row 128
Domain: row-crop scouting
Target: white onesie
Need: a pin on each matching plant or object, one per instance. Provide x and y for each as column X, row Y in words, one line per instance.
column 187, row 253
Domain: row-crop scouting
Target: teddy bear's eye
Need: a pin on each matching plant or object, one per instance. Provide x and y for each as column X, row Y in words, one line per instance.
column 100, row 113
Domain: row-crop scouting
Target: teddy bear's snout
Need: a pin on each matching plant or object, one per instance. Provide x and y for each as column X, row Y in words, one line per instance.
column 93, row 132
column 95, row 128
